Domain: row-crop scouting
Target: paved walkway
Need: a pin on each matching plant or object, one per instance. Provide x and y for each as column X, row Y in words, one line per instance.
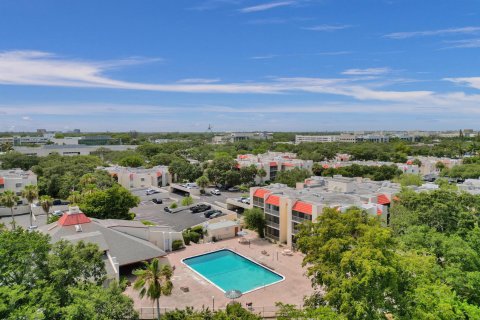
column 201, row 293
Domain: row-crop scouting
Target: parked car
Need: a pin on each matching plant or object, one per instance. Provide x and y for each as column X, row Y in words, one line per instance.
column 157, row 201
column 151, row 191
column 58, row 213
column 210, row 212
column 57, row 202
column 215, row 192
column 216, row 214
column 245, row 200
column 32, row 228
column 200, row 208
column 167, row 209
column 234, row 189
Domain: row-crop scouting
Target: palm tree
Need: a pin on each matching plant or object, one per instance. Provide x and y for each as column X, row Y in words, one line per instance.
column 262, row 174
column 153, row 281
column 202, row 182
column 46, row 202
column 30, row 192
column 75, row 197
column 9, row 199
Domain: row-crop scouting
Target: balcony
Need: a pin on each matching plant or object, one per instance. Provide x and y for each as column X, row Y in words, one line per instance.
column 299, row 220
column 272, row 212
column 258, row 203
column 273, row 224
column 271, row 236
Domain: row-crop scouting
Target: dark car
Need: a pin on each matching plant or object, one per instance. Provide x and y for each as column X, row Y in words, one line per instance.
column 211, row 212
column 57, row 202
column 233, row 189
column 200, row 208
column 157, row 201
column 167, row 209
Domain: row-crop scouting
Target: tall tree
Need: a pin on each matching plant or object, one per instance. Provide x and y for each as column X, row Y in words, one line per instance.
column 202, row 182
column 262, row 174
column 30, row 192
column 46, row 202
column 154, row 281
column 255, row 219
column 9, row 199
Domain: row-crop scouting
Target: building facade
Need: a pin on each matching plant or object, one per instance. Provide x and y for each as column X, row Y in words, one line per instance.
column 286, row 208
column 135, row 178
column 273, row 162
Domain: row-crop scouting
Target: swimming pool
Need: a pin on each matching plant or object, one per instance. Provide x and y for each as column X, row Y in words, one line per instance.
column 228, row 270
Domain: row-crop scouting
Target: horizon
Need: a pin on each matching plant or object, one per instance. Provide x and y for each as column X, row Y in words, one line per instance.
column 239, row 65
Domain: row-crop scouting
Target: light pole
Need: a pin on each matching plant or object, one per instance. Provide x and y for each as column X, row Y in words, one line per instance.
column 213, row 303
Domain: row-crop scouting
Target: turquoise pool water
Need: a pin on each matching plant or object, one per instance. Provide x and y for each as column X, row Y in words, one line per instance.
column 230, row 271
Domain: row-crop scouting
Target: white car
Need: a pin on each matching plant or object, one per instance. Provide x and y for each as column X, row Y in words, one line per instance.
column 58, row 213
column 245, row 200
column 215, row 192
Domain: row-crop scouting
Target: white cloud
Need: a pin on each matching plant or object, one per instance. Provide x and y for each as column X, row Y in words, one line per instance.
column 267, row 6
column 328, row 28
column 465, row 43
column 473, row 82
column 441, row 32
column 26, row 118
column 367, row 71
column 198, row 80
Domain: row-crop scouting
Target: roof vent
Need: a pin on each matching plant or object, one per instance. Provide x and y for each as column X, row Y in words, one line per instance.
column 73, row 210
column 78, row 228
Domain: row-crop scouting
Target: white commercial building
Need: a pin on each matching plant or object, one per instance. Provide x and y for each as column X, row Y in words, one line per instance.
column 133, row 178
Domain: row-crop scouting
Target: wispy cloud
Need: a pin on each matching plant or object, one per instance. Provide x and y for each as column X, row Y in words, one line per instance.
column 327, row 27
column 214, row 4
column 465, row 43
column 368, row 71
column 289, row 55
column 440, row 32
column 473, row 82
column 198, row 80
column 264, row 57
column 267, row 6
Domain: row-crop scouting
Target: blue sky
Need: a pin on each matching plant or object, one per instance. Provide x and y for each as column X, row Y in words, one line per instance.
column 279, row 65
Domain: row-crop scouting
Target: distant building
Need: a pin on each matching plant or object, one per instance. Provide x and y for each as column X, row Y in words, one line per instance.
column 354, row 138
column 132, row 178
column 407, row 167
column 122, row 242
column 285, row 208
column 76, row 131
column 69, row 150
column 241, row 136
column 41, row 131
column 273, row 162
column 95, row 140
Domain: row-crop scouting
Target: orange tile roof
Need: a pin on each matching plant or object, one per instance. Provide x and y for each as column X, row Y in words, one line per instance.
column 2, row 180
column 289, row 165
column 71, row 219
column 273, row 200
column 302, row 207
column 382, row 199
column 260, row 193
column 273, row 164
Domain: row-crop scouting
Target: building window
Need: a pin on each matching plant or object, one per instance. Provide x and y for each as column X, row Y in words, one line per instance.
column 18, row 185
column 2, row 186
column 142, row 179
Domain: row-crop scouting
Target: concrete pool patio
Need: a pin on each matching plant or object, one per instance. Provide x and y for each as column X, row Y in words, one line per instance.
column 202, row 293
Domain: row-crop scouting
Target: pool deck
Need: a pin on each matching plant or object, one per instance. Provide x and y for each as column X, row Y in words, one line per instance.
column 292, row 290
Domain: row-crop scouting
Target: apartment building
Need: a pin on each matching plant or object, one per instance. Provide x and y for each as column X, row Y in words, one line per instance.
column 285, row 208
column 16, row 179
column 133, row 178
column 429, row 164
column 273, row 162
column 69, row 150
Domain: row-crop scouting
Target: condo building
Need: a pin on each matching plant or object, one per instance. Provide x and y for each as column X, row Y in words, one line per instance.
column 273, row 162
column 134, row 178
column 16, row 179
column 286, row 208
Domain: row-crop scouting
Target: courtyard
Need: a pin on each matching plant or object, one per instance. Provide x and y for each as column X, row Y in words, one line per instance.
column 201, row 293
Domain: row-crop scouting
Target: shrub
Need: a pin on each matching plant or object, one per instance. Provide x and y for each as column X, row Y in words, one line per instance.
column 177, row 244
column 131, row 216
column 186, row 237
column 52, row 219
column 174, row 205
column 199, row 230
column 186, row 201
column 148, row 223
column 195, row 237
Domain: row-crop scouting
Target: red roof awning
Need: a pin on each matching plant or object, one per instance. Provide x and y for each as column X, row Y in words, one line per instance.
column 302, row 207
column 382, row 199
column 273, row 164
column 289, row 165
column 2, row 180
column 325, row 166
column 72, row 219
column 273, row 200
column 260, row 193
column 379, row 211
column 159, row 174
